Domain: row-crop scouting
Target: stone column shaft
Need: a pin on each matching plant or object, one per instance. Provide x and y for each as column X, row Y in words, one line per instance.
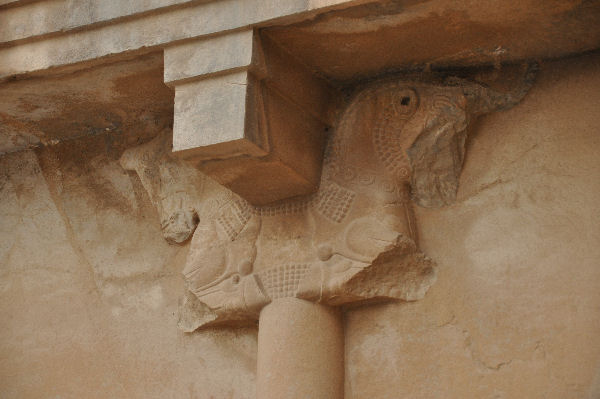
column 300, row 351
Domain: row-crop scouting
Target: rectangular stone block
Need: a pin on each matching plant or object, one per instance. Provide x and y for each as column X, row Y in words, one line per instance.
column 243, row 108
column 210, row 118
column 292, row 165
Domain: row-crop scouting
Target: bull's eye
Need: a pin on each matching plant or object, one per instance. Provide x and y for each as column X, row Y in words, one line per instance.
column 405, row 100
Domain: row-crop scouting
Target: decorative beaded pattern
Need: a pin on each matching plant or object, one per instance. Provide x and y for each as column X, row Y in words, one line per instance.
column 283, row 282
column 334, row 202
column 387, row 136
column 234, row 217
column 283, row 209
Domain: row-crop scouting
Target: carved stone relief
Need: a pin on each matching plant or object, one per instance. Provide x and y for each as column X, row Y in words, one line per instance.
column 174, row 187
column 396, row 143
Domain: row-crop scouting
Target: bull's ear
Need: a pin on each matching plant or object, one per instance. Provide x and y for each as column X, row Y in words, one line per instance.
column 436, row 158
column 193, row 314
column 482, row 99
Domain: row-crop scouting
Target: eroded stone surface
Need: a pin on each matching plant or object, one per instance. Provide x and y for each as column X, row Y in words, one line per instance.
column 89, row 288
column 513, row 313
column 174, row 187
column 362, row 40
column 122, row 101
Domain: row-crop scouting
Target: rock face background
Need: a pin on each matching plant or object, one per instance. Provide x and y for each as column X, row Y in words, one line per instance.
column 89, row 290
column 89, row 287
column 515, row 310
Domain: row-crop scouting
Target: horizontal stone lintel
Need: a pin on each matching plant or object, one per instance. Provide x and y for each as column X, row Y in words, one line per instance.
column 81, row 39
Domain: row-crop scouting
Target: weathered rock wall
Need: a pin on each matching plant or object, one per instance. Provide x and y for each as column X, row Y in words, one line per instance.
column 89, row 287
column 515, row 310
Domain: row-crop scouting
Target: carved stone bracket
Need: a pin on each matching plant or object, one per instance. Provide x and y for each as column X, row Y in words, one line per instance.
column 396, row 143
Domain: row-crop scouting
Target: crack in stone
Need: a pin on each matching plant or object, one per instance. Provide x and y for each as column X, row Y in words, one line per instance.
column 468, row 343
column 475, row 357
column 520, row 156
column 482, row 188
column 538, row 350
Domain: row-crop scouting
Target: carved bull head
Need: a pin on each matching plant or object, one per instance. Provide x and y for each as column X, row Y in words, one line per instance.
column 438, row 132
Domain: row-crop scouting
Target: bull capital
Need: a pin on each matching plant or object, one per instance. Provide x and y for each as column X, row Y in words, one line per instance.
column 396, row 143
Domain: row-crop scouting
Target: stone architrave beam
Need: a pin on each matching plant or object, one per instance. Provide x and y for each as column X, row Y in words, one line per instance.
column 80, row 33
column 243, row 109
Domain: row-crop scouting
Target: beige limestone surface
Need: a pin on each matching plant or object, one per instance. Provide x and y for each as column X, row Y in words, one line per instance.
column 89, row 287
column 515, row 311
column 38, row 18
column 124, row 101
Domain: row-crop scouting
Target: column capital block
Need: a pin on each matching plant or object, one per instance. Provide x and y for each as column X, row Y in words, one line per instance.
column 243, row 109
